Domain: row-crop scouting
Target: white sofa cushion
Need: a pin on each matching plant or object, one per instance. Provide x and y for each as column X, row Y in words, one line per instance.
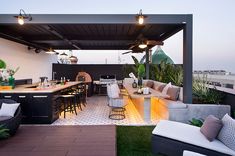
column 189, row 153
column 189, row 134
column 173, row 104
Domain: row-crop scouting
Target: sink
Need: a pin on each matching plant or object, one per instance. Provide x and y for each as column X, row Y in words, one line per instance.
column 31, row 87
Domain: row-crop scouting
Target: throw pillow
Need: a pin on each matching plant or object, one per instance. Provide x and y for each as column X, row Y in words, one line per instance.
column 173, row 93
column 211, row 127
column 8, row 109
column 160, row 88
column 181, row 94
column 150, row 84
column 227, row 133
column 164, row 91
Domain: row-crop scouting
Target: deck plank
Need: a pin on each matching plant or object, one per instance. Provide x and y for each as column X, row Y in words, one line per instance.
column 61, row 141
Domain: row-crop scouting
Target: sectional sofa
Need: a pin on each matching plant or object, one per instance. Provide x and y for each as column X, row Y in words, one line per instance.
column 177, row 110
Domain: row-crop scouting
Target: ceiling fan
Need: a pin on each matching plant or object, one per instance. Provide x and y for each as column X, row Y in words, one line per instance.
column 139, row 46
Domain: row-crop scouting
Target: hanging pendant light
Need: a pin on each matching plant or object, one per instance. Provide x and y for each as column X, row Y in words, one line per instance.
column 140, row 17
column 142, row 45
column 23, row 16
column 73, row 59
column 50, row 51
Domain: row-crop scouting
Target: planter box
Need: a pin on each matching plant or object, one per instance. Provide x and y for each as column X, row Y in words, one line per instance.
column 5, row 87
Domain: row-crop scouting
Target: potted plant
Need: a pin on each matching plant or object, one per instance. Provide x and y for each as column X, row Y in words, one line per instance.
column 141, row 73
column 6, row 77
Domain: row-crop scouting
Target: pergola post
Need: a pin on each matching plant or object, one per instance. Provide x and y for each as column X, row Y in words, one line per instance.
column 187, row 59
column 147, row 63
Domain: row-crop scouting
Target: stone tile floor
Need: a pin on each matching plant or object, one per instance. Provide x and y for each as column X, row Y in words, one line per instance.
column 96, row 112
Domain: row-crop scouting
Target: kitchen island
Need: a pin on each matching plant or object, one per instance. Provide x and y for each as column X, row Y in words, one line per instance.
column 39, row 106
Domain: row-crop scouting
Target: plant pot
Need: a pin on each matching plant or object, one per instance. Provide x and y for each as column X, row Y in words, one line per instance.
column 11, row 81
column 140, row 82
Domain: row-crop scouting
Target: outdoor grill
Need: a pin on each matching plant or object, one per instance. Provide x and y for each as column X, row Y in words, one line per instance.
column 107, row 79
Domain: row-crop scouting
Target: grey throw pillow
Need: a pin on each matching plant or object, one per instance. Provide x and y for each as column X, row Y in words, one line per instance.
column 227, row 133
column 173, row 93
column 160, row 88
column 211, row 127
column 150, row 84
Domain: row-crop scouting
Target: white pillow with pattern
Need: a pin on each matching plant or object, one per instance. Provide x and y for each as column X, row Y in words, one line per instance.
column 227, row 133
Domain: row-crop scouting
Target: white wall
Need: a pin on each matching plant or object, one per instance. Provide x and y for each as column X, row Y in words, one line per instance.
column 31, row 65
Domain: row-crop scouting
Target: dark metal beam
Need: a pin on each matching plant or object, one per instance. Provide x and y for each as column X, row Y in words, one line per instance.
column 15, row 39
column 53, row 31
column 147, row 63
column 95, row 19
column 170, row 33
column 187, row 59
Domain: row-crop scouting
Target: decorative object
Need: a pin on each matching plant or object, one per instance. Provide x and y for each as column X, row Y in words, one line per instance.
column 134, row 84
column 23, row 16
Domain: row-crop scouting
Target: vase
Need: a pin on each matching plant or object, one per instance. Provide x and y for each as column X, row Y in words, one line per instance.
column 140, row 82
column 134, row 84
column 11, row 81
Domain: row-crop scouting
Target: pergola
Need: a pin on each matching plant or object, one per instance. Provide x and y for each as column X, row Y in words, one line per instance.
column 101, row 32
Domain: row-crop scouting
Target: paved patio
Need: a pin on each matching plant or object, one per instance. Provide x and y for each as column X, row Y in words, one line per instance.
column 61, row 141
column 96, row 113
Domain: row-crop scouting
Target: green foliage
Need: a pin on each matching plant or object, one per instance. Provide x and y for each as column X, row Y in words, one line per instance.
column 166, row 73
column 2, row 64
column 4, row 133
column 141, row 71
column 203, row 94
column 196, row 122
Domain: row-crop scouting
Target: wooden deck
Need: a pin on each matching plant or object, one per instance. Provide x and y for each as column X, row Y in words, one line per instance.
column 61, row 141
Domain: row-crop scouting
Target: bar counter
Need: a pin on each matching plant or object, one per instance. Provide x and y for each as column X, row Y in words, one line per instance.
column 39, row 106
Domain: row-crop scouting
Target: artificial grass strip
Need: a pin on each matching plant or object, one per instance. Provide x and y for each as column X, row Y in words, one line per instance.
column 134, row 140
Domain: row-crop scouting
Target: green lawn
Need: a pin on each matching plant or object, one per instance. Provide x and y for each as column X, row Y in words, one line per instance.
column 134, row 140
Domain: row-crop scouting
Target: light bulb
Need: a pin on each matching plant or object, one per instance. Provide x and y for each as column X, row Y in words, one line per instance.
column 50, row 51
column 141, row 19
column 21, row 20
column 142, row 45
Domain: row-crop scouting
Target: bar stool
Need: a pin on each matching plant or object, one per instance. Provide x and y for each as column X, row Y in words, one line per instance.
column 68, row 104
column 77, row 98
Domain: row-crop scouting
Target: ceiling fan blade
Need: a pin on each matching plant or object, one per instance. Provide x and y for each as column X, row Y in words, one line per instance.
column 153, row 42
column 126, row 52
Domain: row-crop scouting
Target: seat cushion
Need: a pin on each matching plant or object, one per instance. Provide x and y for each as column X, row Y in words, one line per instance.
column 173, row 104
column 227, row 133
column 189, row 153
column 189, row 134
column 3, row 118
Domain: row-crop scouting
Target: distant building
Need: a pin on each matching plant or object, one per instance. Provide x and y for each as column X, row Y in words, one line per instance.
column 217, row 77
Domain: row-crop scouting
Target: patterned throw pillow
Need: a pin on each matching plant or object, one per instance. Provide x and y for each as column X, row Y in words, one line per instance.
column 227, row 133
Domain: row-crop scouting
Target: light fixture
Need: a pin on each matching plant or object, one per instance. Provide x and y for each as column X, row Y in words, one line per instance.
column 22, row 16
column 140, row 17
column 63, row 55
column 73, row 59
column 50, row 51
column 142, row 45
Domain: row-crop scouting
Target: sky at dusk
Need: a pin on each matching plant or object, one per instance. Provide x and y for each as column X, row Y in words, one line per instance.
column 213, row 26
